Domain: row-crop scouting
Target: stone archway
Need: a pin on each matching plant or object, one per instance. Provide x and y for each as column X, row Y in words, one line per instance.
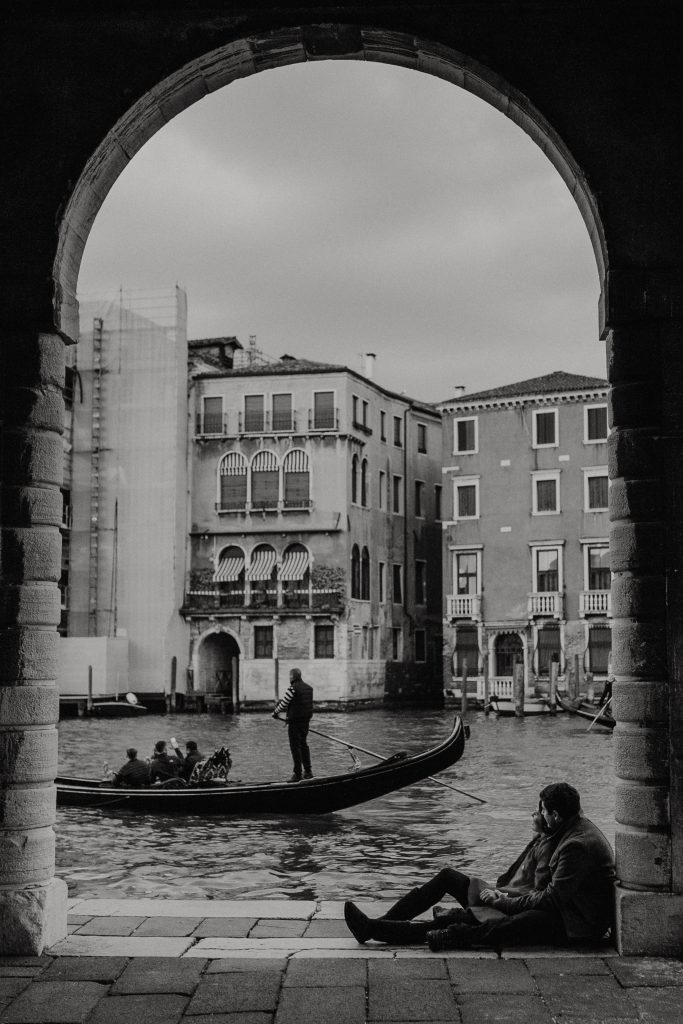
column 217, row 671
column 576, row 67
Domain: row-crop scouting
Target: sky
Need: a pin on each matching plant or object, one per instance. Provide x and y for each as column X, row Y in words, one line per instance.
column 343, row 207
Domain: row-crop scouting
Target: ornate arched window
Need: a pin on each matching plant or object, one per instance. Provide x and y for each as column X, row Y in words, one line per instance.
column 355, row 571
column 229, row 575
column 265, row 480
column 297, row 479
column 354, row 479
column 262, row 576
column 295, row 576
column 232, row 478
column 364, row 483
column 365, row 575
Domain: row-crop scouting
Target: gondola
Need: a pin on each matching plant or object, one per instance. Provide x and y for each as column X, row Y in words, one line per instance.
column 314, row 796
column 584, row 709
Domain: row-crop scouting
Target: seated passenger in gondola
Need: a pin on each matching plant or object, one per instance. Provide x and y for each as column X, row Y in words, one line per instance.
column 133, row 774
column 189, row 759
column 162, row 766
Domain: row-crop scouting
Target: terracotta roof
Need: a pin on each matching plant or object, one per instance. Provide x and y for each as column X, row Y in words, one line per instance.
column 550, row 383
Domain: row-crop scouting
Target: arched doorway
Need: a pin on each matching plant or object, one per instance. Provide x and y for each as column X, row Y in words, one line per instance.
column 218, row 670
column 508, row 651
column 640, row 316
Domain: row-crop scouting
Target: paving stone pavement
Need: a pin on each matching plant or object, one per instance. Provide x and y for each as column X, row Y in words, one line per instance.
column 293, row 962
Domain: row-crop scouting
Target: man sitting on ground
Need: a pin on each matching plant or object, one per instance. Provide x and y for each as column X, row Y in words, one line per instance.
column 134, row 773
column 575, row 907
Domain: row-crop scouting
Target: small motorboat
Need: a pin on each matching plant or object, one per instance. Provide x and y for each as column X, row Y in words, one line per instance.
column 506, row 708
column 585, row 709
column 313, row 796
column 130, row 707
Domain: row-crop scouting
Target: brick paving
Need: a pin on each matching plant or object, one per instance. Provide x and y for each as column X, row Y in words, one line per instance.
column 293, row 962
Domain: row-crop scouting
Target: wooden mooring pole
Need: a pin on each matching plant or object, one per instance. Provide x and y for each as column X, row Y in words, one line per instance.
column 518, row 686
column 463, row 689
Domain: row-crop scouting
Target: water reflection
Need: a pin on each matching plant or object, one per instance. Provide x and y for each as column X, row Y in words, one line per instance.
column 375, row 849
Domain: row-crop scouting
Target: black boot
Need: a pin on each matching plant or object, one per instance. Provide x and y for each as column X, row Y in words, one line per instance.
column 408, row 907
column 456, row 936
column 399, row 933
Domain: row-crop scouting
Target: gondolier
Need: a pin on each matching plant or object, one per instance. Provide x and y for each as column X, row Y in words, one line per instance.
column 297, row 703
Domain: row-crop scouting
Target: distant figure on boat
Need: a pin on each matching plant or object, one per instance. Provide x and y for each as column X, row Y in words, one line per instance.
column 163, row 766
column 606, row 693
column 297, row 702
column 189, row 759
column 134, row 773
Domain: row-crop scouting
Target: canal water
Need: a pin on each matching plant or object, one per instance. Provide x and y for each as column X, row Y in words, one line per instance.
column 377, row 849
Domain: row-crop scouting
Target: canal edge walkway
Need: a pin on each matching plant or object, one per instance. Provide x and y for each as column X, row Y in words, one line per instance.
column 291, row 961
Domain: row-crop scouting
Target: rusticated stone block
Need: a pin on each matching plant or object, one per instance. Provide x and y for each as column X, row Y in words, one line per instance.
column 27, row 857
column 23, row 808
column 642, row 806
column 648, row 923
column 33, row 918
column 635, row 499
column 638, row 597
column 641, row 754
column 41, row 409
column 637, row 547
column 625, row 346
column 641, row 701
column 643, row 858
column 29, row 705
column 633, row 453
column 33, row 458
column 31, row 553
column 35, row 361
column 28, row 756
column 636, row 404
column 34, row 604
column 639, row 648
column 32, row 506
column 28, row 654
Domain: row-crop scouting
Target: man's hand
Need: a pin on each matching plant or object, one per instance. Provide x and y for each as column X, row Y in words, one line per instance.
column 490, row 897
column 275, row 715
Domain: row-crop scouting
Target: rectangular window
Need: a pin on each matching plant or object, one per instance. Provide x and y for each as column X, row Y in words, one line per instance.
column 420, row 645
column 396, row 644
column 599, row 576
column 420, row 582
column 323, row 639
column 355, row 401
column 383, row 426
column 397, row 495
column 599, row 649
column 466, row 499
column 213, row 416
column 397, row 581
column 422, row 437
column 419, row 498
column 465, row 435
column 548, row 648
column 282, row 412
column 596, row 423
column 263, row 641
column 365, row 414
column 323, row 410
column 467, row 651
column 398, row 431
column 597, row 492
column 254, row 419
column 546, row 493
column 466, row 575
column 545, row 429
column 437, row 501
column 233, row 490
column 382, row 485
column 547, row 571
column 381, row 582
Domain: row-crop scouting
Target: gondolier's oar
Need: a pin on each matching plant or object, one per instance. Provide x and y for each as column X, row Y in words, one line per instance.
column 354, row 746
column 600, row 712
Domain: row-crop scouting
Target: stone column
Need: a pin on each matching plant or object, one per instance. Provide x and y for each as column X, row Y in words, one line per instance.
column 646, row 544
column 32, row 900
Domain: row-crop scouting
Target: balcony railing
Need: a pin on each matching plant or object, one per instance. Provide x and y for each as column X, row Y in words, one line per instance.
column 595, row 602
column 272, row 596
column 463, row 606
column 545, row 604
column 323, row 419
column 288, row 505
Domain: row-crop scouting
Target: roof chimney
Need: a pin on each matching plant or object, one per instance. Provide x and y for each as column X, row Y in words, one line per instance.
column 370, row 365
column 460, row 390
